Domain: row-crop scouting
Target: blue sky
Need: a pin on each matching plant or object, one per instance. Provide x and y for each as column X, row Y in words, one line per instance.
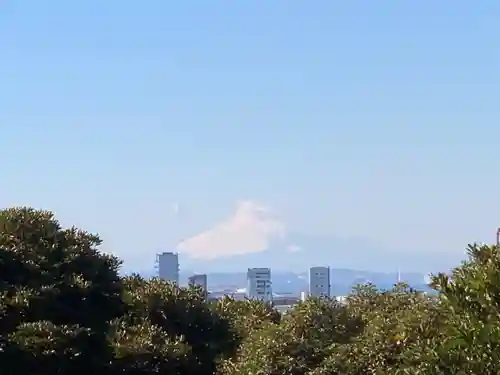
column 148, row 122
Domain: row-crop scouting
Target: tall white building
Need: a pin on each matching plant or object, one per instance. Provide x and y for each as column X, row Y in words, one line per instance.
column 259, row 284
column 168, row 267
column 319, row 281
column 303, row 296
column 199, row 280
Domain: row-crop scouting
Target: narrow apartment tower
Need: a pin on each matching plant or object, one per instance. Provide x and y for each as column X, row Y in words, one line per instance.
column 319, row 281
column 168, row 267
column 303, row 296
column 259, row 284
column 199, row 280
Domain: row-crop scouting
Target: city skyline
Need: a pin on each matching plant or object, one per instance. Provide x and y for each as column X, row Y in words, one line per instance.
column 259, row 281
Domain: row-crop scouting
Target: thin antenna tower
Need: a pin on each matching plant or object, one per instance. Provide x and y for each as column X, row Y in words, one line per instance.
column 498, row 237
column 399, row 276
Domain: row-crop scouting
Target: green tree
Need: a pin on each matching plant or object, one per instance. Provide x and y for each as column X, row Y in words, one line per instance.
column 400, row 327
column 246, row 316
column 58, row 296
column 145, row 348
column 169, row 329
column 470, row 300
column 299, row 343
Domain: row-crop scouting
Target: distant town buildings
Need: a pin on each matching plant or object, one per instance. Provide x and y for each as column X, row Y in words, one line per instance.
column 199, row 280
column 319, row 282
column 236, row 295
column 285, row 301
column 259, row 284
column 168, row 267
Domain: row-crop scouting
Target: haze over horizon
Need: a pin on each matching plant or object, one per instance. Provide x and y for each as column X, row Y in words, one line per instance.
column 256, row 129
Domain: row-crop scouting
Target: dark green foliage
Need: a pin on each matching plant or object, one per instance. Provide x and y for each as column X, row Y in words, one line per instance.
column 470, row 302
column 246, row 316
column 144, row 348
column 300, row 342
column 65, row 310
column 44, row 348
column 157, row 310
column 58, row 295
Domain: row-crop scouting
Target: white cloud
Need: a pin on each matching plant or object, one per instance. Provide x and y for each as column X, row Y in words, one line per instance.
column 250, row 229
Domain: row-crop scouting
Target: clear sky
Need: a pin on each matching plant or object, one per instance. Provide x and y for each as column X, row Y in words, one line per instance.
column 148, row 121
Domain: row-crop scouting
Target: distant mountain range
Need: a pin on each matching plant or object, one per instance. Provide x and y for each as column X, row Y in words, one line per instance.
column 349, row 253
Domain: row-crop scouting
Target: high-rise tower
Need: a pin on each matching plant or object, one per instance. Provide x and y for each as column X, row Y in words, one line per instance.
column 168, row 267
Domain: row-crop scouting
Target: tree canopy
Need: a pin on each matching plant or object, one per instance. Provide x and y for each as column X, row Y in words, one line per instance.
column 64, row 309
